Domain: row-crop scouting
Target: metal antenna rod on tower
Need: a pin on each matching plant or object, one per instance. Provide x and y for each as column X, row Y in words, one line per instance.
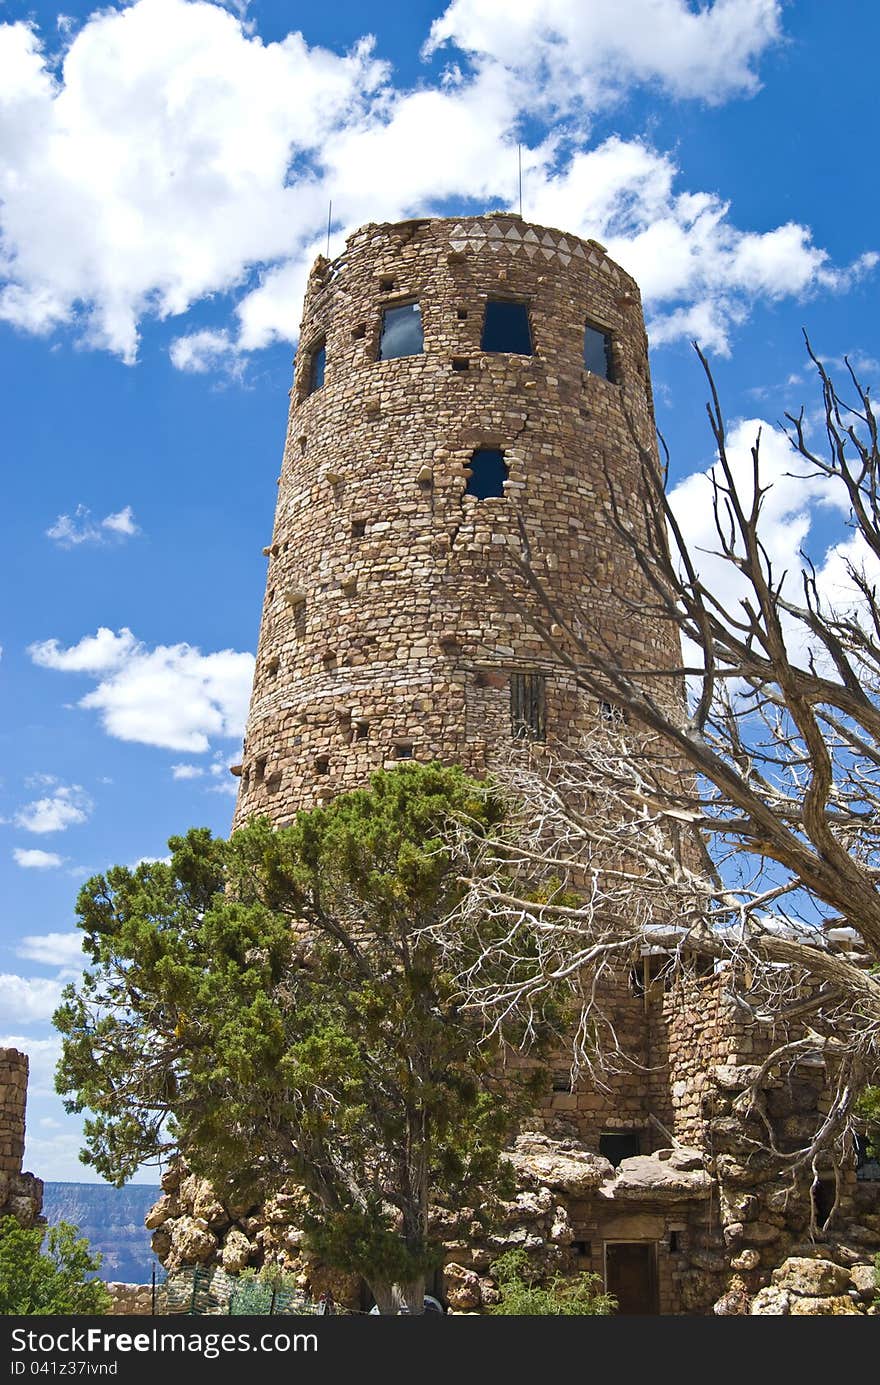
column 329, row 215
column 519, row 161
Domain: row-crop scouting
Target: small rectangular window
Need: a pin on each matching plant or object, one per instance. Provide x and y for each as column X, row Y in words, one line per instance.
column 403, row 750
column 358, row 528
column 598, row 358
column 528, row 706
column 616, row 1145
column 401, row 332
column 488, row 473
column 506, row 327
column 317, row 362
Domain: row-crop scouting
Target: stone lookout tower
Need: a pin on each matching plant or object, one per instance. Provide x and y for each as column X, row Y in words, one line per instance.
column 459, row 384
column 463, row 387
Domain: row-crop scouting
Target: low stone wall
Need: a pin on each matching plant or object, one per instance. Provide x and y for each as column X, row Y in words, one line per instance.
column 133, row 1300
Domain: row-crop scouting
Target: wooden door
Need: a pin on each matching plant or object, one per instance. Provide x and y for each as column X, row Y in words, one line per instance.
column 631, row 1275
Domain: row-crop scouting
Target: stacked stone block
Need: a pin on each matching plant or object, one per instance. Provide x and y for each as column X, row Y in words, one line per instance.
column 21, row 1194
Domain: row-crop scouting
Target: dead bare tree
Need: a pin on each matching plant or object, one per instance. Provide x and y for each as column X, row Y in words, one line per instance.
column 733, row 809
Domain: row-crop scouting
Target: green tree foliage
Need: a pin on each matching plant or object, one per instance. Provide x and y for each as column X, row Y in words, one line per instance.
column 277, row 1007
column 523, row 1295
column 37, row 1282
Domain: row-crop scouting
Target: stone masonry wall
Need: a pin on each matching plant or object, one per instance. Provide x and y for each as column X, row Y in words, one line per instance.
column 381, row 636
column 21, row 1194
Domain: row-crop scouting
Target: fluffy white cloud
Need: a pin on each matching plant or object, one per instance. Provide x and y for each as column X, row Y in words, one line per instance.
column 588, row 52
column 30, row 858
column 172, row 696
column 122, row 522
column 69, row 531
column 52, row 949
column 29, row 999
column 173, row 154
column 65, row 806
column 187, row 771
column 800, row 513
column 156, row 160
column 43, row 1054
column 93, row 654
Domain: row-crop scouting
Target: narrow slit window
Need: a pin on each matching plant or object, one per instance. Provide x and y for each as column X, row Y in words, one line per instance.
column 506, row 327
column 598, row 357
column 488, row 473
column 528, row 706
column 317, row 365
column 401, row 332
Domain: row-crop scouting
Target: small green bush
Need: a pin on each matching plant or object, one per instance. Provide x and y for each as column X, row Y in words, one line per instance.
column 522, row 1295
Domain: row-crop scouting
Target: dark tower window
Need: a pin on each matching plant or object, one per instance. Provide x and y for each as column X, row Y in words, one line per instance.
column 506, row 327
column 401, row 332
column 597, row 352
column 317, row 362
column 528, row 706
column 488, row 473
column 616, row 1145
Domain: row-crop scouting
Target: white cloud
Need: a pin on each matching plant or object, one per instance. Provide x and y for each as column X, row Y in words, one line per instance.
column 29, row 999
column 53, row 949
column 122, row 522
column 156, row 160
column 29, row 858
column 792, row 504
column 586, row 53
column 174, row 155
column 93, row 654
column 43, row 1054
column 205, row 351
column 218, row 771
column 65, row 807
column 172, row 696
column 69, row 531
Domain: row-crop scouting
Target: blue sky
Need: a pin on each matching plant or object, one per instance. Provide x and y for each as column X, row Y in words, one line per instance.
column 165, row 172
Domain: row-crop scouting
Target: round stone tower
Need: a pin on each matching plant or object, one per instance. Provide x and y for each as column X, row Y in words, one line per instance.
column 460, row 386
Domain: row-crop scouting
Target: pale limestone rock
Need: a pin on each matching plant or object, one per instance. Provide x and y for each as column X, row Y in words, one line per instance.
column 735, row 1303
column 207, row 1207
column 647, row 1176
column 811, row 1278
column 746, row 1260
column 771, row 1302
column 838, row 1306
column 461, row 1288
column 236, row 1252
column 864, row 1280
column 561, row 1233
column 167, row 1206
column 191, row 1242
column 172, row 1177
column 564, row 1165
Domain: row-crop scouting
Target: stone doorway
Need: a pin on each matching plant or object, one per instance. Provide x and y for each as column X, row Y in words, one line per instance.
column 631, row 1275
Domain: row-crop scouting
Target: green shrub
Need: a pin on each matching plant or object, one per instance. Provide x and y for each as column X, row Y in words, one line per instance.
column 523, row 1295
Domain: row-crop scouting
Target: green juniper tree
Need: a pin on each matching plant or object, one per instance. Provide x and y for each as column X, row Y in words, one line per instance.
column 278, row 1008
column 38, row 1280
